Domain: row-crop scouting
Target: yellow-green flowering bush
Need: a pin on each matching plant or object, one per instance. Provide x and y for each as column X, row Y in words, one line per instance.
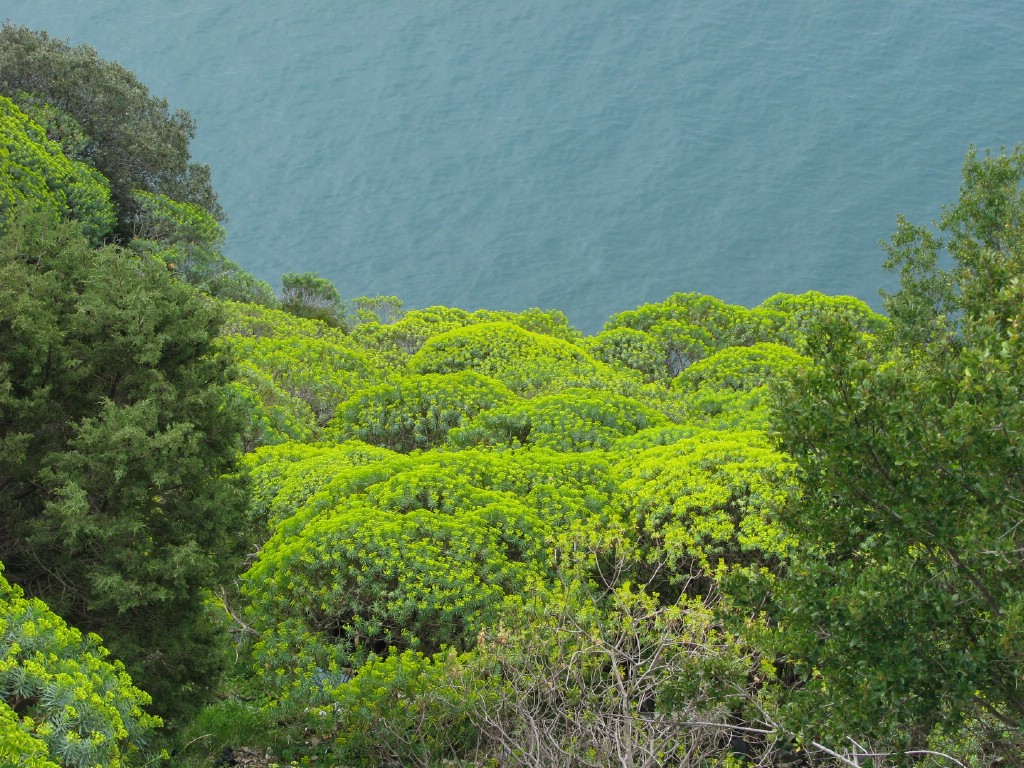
column 415, row 412
column 61, row 700
column 35, row 172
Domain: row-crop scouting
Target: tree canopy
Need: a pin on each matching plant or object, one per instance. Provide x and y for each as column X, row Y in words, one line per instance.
column 131, row 137
column 115, row 435
column 903, row 601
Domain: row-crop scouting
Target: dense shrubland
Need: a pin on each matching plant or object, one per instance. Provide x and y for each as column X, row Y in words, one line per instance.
column 351, row 533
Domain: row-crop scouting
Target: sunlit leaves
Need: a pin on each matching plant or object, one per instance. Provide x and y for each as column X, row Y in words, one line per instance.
column 708, row 500
column 416, row 412
column 303, row 359
column 792, row 315
column 730, row 387
column 472, row 457
column 61, row 700
column 572, row 420
column 406, row 332
column 524, row 361
column 687, row 327
column 416, row 552
column 35, row 172
column 427, row 719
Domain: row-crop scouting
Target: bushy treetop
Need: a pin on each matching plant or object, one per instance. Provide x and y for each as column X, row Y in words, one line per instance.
column 130, row 137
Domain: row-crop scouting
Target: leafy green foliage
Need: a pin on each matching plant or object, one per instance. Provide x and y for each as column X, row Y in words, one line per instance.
column 631, row 348
column 402, row 338
column 57, row 124
column 286, row 359
column 414, row 552
column 61, row 701
column 399, row 340
column 284, row 478
column 114, row 437
column 707, row 502
column 274, row 415
column 904, row 598
column 427, row 720
column 512, row 545
column 374, row 309
column 572, row 420
column 188, row 239
column 793, row 315
column 685, row 327
column 527, row 363
column 415, row 412
column 17, row 746
column 133, row 139
column 730, row 387
column 606, row 677
column 35, row 172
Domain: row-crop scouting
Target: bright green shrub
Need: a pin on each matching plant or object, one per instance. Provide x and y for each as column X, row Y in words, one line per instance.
column 706, row 502
column 35, row 172
column 738, row 368
column 399, row 340
column 547, row 322
column 526, row 362
column 653, row 437
column 361, row 580
column 283, row 478
column 573, row 420
column 415, row 412
column 417, row 552
column 305, row 359
column 61, row 701
column 689, row 326
column 273, row 415
column 401, row 710
column 630, row 347
column 730, row 388
column 316, row 372
column 792, row 315
column 18, row 747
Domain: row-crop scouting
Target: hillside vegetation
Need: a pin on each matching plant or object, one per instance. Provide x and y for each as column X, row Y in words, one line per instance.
column 299, row 529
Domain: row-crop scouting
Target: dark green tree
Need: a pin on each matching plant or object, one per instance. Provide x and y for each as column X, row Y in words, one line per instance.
column 903, row 608
column 115, row 438
column 131, row 137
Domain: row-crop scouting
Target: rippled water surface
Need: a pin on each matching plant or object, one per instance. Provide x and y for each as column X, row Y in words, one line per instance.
column 584, row 155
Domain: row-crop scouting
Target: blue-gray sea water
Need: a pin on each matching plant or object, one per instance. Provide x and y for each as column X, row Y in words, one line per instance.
column 583, row 155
